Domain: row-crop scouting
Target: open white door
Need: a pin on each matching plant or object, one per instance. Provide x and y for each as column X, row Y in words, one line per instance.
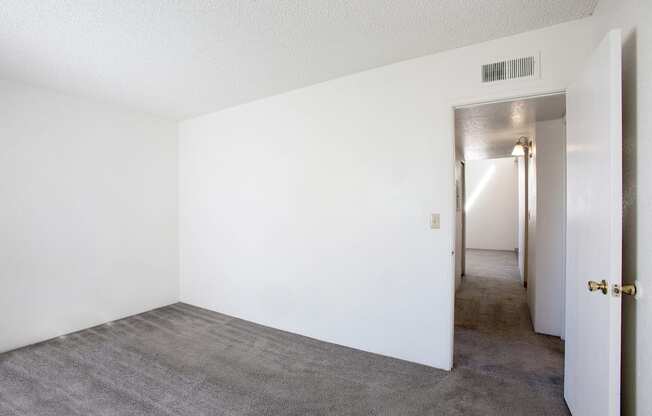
column 594, row 234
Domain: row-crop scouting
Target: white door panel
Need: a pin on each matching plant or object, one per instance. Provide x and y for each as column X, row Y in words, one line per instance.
column 594, row 233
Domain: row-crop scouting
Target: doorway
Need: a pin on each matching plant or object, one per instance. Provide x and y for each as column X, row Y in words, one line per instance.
column 510, row 244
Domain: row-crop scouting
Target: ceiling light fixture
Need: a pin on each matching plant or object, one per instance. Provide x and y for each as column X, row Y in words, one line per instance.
column 520, row 146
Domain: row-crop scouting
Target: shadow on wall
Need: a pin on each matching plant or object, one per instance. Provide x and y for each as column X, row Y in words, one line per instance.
column 630, row 255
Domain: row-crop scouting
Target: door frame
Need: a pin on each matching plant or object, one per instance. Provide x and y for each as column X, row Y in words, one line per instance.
column 463, row 202
column 488, row 99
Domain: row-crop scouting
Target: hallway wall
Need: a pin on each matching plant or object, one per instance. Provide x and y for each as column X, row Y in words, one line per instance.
column 492, row 204
column 547, row 238
column 522, row 215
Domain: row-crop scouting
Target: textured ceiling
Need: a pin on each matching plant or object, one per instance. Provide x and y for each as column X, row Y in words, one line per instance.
column 182, row 58
column 491, row 130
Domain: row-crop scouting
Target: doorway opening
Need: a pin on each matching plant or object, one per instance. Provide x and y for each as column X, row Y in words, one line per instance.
column 510, row 179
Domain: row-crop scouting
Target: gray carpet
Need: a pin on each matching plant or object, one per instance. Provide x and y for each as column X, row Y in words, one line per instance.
column 182, row 360
column 495, row 264
column 494, row 339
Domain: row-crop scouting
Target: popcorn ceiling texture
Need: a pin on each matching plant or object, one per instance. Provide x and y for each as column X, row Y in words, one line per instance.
column 490, row 130
column 184, row 58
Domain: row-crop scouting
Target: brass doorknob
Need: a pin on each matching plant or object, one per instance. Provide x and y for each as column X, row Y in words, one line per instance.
column 626, row 289
column 601, row 286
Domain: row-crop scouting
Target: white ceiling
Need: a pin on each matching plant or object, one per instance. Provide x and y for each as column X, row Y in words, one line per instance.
column 182, row 58
column 491, row 130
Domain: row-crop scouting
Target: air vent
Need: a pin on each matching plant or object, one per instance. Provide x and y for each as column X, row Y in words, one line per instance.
column 510, row 69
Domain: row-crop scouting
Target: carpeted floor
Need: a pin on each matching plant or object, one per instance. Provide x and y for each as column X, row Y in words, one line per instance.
column 495, row 342
column 182, row 360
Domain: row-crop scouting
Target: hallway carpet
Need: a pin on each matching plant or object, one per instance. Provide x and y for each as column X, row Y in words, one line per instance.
column 183, row 360
column 495, row 343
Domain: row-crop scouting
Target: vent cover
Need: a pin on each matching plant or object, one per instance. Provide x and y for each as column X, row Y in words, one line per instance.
column 526, row 67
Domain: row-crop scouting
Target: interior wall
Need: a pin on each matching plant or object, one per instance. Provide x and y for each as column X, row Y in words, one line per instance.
column 634, row 17
column 546, row 283
column 532, row 228
column 522, row 215
column 564, row 152
column 88, row 213
column 310, row 211
column 492, row 204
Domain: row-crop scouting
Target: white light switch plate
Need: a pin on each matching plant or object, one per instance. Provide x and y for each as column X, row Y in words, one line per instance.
column 434, row 221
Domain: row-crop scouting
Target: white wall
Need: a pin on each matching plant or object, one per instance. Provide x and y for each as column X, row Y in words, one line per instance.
column 522, row 215
column 545, row 284
column 309, row 211
column 531, row 237
column 88, row 214
column 634, row 17
column 492, row 204
column 563, row 229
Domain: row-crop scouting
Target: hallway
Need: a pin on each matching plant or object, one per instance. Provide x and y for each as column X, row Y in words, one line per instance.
column 495, row 344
